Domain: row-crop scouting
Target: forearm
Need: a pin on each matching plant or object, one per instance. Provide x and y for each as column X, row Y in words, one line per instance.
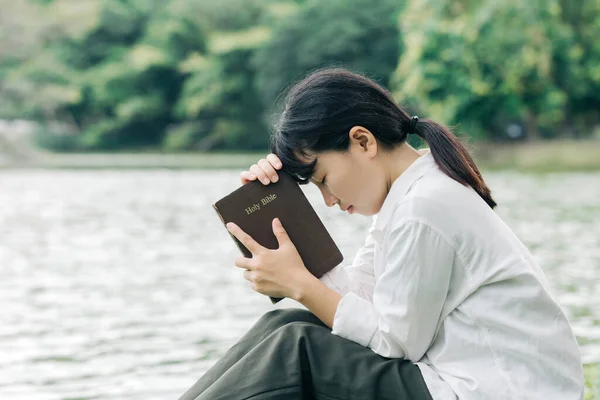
column 319, row 299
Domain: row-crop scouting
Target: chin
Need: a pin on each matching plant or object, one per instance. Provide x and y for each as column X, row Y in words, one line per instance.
column 364, row 213
column 369, row 213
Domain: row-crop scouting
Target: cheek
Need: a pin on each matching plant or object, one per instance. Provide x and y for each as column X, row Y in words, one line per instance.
column 366, row 191
column 373, row 195
column 359, row 187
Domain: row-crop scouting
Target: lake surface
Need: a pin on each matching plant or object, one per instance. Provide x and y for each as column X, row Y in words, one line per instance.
column 121, row 284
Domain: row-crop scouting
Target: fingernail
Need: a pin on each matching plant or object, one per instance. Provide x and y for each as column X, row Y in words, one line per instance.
column 266, row 180
column 275, row 178
column 277, row 223
column 278, row 165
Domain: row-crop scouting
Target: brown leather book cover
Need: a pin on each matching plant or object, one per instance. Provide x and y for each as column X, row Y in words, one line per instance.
column 254, row 206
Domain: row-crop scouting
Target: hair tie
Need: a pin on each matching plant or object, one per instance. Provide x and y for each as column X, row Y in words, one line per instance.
column 413, row 125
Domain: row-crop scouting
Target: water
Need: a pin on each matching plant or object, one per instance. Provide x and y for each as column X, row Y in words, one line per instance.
column 121, row 284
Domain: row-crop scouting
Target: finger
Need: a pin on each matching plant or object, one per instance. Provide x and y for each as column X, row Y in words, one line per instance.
column 280, row 233
column 244, row 238
column 260, row 174
column 243, row 262
column 247, row 176
column 269, row 170
column 248, row 275
column 274, row 160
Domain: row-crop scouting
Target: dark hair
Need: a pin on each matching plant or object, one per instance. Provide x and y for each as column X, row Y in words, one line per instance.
column 320, row 110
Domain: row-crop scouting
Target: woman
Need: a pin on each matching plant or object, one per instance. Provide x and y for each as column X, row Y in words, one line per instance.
column 442, row 302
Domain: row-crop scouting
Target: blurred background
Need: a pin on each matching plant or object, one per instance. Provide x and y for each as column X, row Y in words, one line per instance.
column 122, row 121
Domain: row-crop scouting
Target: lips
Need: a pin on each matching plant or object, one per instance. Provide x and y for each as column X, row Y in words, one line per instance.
column 349, row 209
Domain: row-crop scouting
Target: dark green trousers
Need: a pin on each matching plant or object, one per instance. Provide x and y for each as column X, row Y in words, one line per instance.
column 290, row 354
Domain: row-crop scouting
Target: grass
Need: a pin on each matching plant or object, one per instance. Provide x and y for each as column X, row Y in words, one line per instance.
column 541, row 156
column 135, row 160
column 538, row 156
column 592, row 381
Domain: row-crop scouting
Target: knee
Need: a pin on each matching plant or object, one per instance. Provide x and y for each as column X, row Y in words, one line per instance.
column 285, row 316
column 301, row 335
column 293, row 331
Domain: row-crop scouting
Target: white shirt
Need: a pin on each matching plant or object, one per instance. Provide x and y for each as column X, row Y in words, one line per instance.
column 442, row 281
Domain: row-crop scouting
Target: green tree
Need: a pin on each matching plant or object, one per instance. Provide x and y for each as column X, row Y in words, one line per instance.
column 577, row 67
column 188, row 74
column 142, row 73
column 89, row 74
column 218, row 105
column 359, row 34
column 485, row 65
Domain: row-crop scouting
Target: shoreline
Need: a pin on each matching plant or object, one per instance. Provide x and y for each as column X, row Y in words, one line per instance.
column 539, row 157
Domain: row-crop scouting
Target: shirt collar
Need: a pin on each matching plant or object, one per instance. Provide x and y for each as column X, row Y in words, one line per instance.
column 398, row 190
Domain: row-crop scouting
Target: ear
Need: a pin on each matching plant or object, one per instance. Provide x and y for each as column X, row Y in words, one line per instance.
column 363, row 140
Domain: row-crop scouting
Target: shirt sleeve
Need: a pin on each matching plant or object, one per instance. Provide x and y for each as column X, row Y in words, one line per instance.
column 358, row 278
column 408, row 298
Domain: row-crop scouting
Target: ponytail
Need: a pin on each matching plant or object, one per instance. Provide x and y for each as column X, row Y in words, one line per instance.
column 452, row 157
column 321, row 108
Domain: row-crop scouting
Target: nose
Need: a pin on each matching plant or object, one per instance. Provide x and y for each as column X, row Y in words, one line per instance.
column 330, row 200
column 332, row 203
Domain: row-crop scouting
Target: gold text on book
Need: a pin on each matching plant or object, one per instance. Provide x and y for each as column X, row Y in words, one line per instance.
column 264, row 201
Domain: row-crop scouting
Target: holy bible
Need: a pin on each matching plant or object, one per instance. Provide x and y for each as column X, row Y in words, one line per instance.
column 254, row 206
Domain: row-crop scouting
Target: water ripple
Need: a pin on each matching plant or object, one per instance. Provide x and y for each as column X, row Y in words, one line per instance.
column 121, row 284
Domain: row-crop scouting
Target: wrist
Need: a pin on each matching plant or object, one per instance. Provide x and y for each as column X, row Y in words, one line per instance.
column 319, row 299
column 305, row 287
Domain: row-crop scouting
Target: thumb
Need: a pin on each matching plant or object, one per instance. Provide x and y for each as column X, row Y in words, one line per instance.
column 280, row 233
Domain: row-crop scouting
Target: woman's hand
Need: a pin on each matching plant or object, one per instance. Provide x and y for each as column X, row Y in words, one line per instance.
column 275, row 273
column 265, row 170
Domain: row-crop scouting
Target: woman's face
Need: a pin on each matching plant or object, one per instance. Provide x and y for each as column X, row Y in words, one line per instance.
column 354, row 180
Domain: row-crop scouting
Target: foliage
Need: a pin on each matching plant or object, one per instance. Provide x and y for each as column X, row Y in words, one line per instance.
column 199, row 75
column 592, row 381
column 488, row 65
column 358, row 34
column 139, row 73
